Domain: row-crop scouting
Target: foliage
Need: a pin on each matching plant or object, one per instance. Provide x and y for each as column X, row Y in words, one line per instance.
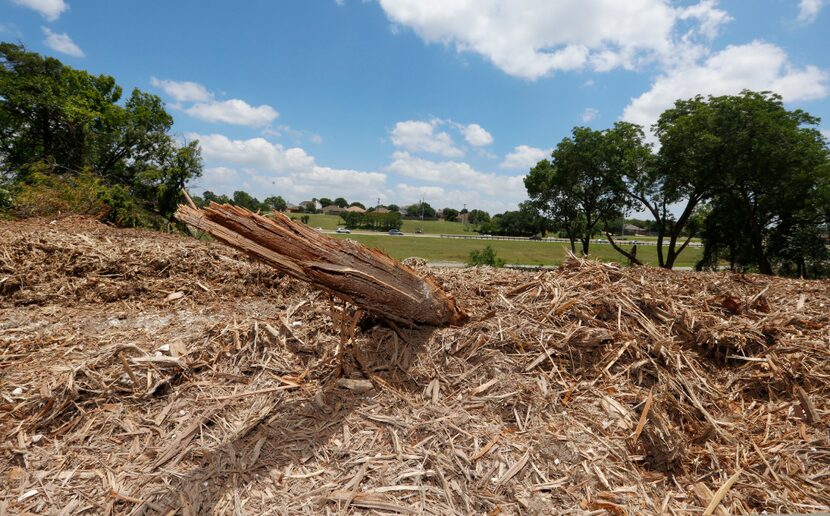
column 325, row 201
column 245, row 200
column 5, row 197
column 341, row 203
column 393, row 207
column 524, row 222
column 209, row 197
column 580, row 186
column 372, row 220
column 478, row 217
column 766, row 173
column 273, row 203
column 450, row 214
column 749, row 175
column 421, row 210
column 486, row 256
column 358, row 204
column 43, row 193
column 66, row 122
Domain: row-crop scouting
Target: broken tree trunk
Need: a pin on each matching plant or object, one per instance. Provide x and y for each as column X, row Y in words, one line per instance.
column 365, row 277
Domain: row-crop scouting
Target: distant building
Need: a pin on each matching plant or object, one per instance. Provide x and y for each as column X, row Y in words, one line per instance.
column 293, row 208
column 355, row 209
column 631, row 229
column 333, row 209
column 310, row 205
column 381, row 209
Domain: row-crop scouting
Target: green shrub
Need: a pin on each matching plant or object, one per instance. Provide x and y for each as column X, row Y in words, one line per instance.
column 44, row 194
column 5, row 199
column 486, row 256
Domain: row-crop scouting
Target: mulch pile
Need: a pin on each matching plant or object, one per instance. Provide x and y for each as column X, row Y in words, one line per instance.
column 144, row 373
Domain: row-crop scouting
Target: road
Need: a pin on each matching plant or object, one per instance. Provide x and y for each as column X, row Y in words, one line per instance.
column 621, row 243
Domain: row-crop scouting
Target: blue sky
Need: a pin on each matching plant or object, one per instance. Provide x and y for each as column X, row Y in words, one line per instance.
column 447, row 100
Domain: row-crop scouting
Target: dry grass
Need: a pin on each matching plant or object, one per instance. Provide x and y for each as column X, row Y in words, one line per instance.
column 143, row 373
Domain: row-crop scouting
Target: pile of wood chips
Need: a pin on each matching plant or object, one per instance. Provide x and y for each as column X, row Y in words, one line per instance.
column 142, row 373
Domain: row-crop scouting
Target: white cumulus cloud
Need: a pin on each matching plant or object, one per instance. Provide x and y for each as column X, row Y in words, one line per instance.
column 421, row 136
column 458, row 173
column 61, row 42
column 50, row 9
column 254, row 152
column 477, row 136
column 183, row 91
column 756, row 66
column 589, row 114
column 808, row 10
column 531, row 38
column 524, row 157
column 233, row 111
column 206, row 107
column 263, row 168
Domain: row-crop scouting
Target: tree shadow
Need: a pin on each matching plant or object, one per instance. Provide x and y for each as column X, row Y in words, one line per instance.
column 291, row 433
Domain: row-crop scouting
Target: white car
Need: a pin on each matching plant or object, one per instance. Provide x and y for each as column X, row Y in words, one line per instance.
column 342, row 230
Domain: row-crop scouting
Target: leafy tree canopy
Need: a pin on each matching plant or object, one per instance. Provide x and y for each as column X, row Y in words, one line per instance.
column 73, row 121
column 421, row 210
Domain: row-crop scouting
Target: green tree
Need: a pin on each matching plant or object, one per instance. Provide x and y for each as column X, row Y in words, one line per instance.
column 160, row 182
column 73, row 122
column 525, row 221
column 245, row 200
column 576, row 187
column 762, row 169
column 210, row 197
column 325, row 201
column 341, row 202
column 478, row 216
column 393, row 207
column 450, row 214
column 421, row 210
column 358, row 204
column 687, row 170
column 274, row 203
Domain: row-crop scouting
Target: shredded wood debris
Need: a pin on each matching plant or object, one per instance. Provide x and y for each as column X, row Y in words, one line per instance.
column 143, row 373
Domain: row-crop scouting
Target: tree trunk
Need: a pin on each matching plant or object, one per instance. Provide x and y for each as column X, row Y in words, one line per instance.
column 365, row 277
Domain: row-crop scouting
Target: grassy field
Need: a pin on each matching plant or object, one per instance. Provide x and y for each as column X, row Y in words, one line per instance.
column 432, row 227
column 515, row 251
column 437, row 227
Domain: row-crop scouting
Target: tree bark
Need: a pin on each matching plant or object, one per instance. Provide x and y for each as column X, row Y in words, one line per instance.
column 632, row 257
column 365, row 277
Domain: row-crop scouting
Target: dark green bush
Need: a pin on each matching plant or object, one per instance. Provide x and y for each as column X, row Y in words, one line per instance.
column 486, row 256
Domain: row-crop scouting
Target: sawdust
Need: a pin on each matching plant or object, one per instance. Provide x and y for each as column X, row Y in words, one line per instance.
column 142, row 372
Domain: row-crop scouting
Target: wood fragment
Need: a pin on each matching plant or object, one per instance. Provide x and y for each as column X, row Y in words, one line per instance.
column 721, row 492
column 128, row 369
column 810, row 411
column 643, row 416
column 362, row 276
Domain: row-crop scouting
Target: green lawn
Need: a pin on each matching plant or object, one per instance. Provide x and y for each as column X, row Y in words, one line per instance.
column 438, row 227
column 524, row 252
